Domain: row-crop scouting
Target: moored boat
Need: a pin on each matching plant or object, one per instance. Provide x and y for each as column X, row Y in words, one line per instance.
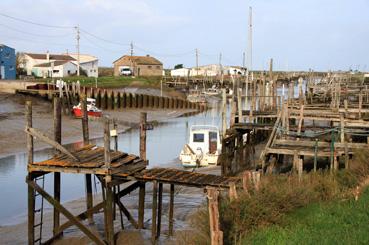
column 204, row 147
column 92, row 110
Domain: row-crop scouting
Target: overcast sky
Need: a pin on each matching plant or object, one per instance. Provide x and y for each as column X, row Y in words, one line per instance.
column 298, row 35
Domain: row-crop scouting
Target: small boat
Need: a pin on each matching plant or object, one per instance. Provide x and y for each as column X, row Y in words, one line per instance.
column 212, row 92
column 204, row 147
column 92, row 110
column 196, row 97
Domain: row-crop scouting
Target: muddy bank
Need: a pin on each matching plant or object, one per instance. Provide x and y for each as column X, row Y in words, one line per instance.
column 12, row 122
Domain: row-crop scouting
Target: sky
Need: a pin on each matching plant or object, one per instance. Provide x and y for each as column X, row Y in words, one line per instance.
column 298, row 35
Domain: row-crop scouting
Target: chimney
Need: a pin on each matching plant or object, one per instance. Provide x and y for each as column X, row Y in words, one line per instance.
column 147, row 55
column 47, row 56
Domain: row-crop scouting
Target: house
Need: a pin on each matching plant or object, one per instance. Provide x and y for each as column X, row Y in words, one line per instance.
column 48, row 65
column 88, row 64
column 57, row 68
column 139, row 65
column 7, row 62
column 180, row 72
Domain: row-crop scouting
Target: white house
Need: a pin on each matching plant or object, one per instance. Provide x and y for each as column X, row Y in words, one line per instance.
column 88, row 63
column 37, row 64
column 181, row 72
column 55, row 69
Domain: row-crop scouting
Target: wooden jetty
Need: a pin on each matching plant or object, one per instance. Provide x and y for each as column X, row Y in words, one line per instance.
column 327, row 124
column 113, row 168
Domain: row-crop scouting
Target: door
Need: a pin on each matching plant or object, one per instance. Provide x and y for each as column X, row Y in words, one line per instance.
column 2, row 72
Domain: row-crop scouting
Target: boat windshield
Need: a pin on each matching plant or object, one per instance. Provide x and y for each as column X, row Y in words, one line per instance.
column 197, row 137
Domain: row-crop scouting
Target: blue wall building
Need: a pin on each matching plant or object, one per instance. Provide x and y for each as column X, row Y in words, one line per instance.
column 7, row 62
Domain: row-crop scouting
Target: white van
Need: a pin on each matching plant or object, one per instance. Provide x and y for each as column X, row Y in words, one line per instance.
column 125, row 71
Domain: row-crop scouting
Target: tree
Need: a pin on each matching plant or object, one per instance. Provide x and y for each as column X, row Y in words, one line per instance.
column 20, row 64
column 178, row 66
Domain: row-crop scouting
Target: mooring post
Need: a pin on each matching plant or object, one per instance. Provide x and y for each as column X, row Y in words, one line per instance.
column 107, row 143
column 143, row 135
column 216, row 235
column 154, row 210
column 86, row 141
column 224, row 113
column 115, row 134
column 160, row 205
column 171, row 209
column 31, row 196
column 141, row 205
column 57, row 138
column 109, row 225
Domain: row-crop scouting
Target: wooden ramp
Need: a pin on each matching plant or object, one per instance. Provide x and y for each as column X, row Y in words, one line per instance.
column 183, row 177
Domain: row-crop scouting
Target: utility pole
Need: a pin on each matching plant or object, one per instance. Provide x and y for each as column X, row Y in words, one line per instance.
column 131, row 48
column 197, row 62
column 221, row 68
column 78, row 37
column 243, row 60
column 250, row 40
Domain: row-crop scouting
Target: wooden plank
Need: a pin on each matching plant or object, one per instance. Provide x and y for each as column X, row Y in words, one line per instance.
column 127, row 214
column 44, row 138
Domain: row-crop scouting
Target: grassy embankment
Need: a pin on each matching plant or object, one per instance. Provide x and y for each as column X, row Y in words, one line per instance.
column 319, row 208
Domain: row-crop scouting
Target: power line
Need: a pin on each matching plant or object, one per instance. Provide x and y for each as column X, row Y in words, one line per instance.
column 103, row 39
column 35, row 23
column 33, row 34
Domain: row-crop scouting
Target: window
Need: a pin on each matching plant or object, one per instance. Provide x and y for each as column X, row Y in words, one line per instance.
column 11, row 67
column 149, row 67
column 198, row 137
column 68, row 72
column 55, row 71
column 213, row 136
column 157, row 67
column 7, row 55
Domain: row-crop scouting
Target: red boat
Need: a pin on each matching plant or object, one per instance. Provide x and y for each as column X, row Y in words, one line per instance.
column 92, row 110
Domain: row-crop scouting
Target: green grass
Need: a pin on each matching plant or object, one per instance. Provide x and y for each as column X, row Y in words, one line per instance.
column 112, row 82
column 335, row 222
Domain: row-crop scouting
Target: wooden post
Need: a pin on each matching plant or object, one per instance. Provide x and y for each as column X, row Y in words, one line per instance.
column 239, row 105
column 141, row 205
column 57, row 138
column 107, row 143
column 224, row 113
column 232, row 191
column 315, row 155
column 109, row 226
column 160, row 205
column 143, row 135
column 300, row 167
column 171, row 209
column 31, row 196
column 342, row 122
column 31, row 212
column 347, row 158
column 154, row 210
column 233, row 112
column 216, row 235
column 300, row 121
column 115, row 136
column 86, row 141
column 360, row 103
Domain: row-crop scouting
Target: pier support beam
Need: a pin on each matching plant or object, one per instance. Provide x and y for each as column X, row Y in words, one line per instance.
column 154, row 210
column 171, row 209
column 57, row 179
column 141, row 205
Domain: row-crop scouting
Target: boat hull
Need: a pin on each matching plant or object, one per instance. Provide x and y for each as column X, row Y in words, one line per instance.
column 78, row 113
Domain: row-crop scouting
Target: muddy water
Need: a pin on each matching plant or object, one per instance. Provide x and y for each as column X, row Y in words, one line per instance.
column 164, row 144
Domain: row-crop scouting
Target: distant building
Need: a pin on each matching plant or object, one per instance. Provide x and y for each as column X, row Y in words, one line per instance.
column 88, row 63
column 58, row 65
column 180, row 72
column 55, row 69
column 7, row 62
column 48, row 65
column 139, row 65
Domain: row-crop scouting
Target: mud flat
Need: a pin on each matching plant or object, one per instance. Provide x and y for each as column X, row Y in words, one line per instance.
column 12, row 136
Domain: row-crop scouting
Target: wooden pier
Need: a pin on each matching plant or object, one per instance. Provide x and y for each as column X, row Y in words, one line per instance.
column 112, row 168
column 320, row 128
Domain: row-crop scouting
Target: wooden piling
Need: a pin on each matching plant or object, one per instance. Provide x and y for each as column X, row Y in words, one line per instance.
column 216, row 235
column 160, row 206
column 143, row 135
column 107, row 143
column 154, row 210
column 57, row 138
column 141, row 205
column 171, row 209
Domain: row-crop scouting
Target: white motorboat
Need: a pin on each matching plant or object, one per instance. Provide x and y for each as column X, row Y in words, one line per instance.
column 204, row 147
column 196, row 97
